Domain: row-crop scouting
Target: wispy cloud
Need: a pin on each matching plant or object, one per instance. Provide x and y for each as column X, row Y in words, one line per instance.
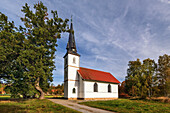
column 165, row 1
column 108, row 34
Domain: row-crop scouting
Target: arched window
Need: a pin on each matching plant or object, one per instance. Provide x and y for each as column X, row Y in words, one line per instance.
column 74, row 90
column 109, row 88
column 74, row 60
column 95, row 87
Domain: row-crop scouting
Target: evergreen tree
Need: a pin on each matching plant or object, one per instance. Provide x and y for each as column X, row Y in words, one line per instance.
column 27, row 54
column 42, row 33
column 10, row 46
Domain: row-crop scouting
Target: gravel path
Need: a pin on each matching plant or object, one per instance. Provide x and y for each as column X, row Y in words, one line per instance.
column 82, row 108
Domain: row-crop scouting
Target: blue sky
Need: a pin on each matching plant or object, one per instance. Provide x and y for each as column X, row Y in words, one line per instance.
column 109, row 33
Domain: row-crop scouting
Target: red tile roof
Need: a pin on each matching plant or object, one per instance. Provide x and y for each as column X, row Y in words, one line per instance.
column 90, row 74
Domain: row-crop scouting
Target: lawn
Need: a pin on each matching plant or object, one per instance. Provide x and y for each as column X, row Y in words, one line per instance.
column 131, row 106
column 33, row 106
column 4, row 97
column 53, row 96
column 46, row 96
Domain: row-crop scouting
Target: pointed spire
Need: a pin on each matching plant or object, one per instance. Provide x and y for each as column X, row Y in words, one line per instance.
column 71, row 45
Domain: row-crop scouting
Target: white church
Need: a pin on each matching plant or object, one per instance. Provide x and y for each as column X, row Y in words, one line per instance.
column 84, row 83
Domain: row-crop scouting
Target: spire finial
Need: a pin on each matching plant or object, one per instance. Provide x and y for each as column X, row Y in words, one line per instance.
column 71, row 18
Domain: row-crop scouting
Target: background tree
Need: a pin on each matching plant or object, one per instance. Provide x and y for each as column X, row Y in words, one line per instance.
column 141, row 78
column 60, row 89
column 164, row 74
column 133, row 78
column 148, row 74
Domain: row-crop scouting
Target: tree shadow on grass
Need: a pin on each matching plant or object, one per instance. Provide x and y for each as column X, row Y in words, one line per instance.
column 10, row 108
column 12, row 99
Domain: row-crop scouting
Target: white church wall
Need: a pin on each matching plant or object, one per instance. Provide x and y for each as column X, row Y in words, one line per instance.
column 70, row 60
column 71, row 85
column 73, row 67
column 72, row 73
column 102, row 90
column 72, row 77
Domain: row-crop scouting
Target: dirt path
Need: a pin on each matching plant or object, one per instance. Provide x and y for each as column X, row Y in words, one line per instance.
column 78, row 107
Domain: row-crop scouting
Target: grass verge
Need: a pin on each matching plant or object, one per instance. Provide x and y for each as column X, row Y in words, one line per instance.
column 5, row 97
column 130, row 106
column 33, row 106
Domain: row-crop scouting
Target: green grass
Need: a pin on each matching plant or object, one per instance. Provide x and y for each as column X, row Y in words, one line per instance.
column 53, row 96
column 49, row 96
column 6, row 96
column 33, row 106
column 130, row 106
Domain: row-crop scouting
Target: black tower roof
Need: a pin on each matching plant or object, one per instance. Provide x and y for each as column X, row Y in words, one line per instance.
column 71, row 44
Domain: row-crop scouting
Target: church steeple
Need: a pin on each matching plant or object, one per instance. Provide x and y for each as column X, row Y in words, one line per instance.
column 71, row 45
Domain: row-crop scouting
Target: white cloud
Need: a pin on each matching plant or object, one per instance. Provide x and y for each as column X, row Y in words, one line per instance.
column 88, row 37
column 165, row 1
column 111, row 33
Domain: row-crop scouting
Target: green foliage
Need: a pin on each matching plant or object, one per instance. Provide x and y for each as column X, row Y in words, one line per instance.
column 148, row 78
column 42, row 34
column 7, row 90
column 10, row 46
column 139, row 81
column 130, row 106
column 164, row 74
column 133, row 78
column 57, row 90
column 27, row 54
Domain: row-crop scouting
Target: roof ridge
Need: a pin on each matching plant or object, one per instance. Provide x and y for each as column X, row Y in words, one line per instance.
column 95, row 70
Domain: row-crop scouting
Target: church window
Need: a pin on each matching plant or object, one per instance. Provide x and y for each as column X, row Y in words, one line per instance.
column 109, row 88
column 74, row 60
column 74, row 90
column 95, row 87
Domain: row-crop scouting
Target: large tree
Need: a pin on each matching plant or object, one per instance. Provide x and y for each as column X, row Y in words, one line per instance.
column 42, row 33
column 11, row 45
column 27, row 54
column 11, row 42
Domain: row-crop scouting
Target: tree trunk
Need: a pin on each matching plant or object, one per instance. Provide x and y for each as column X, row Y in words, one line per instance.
column 37, row 87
